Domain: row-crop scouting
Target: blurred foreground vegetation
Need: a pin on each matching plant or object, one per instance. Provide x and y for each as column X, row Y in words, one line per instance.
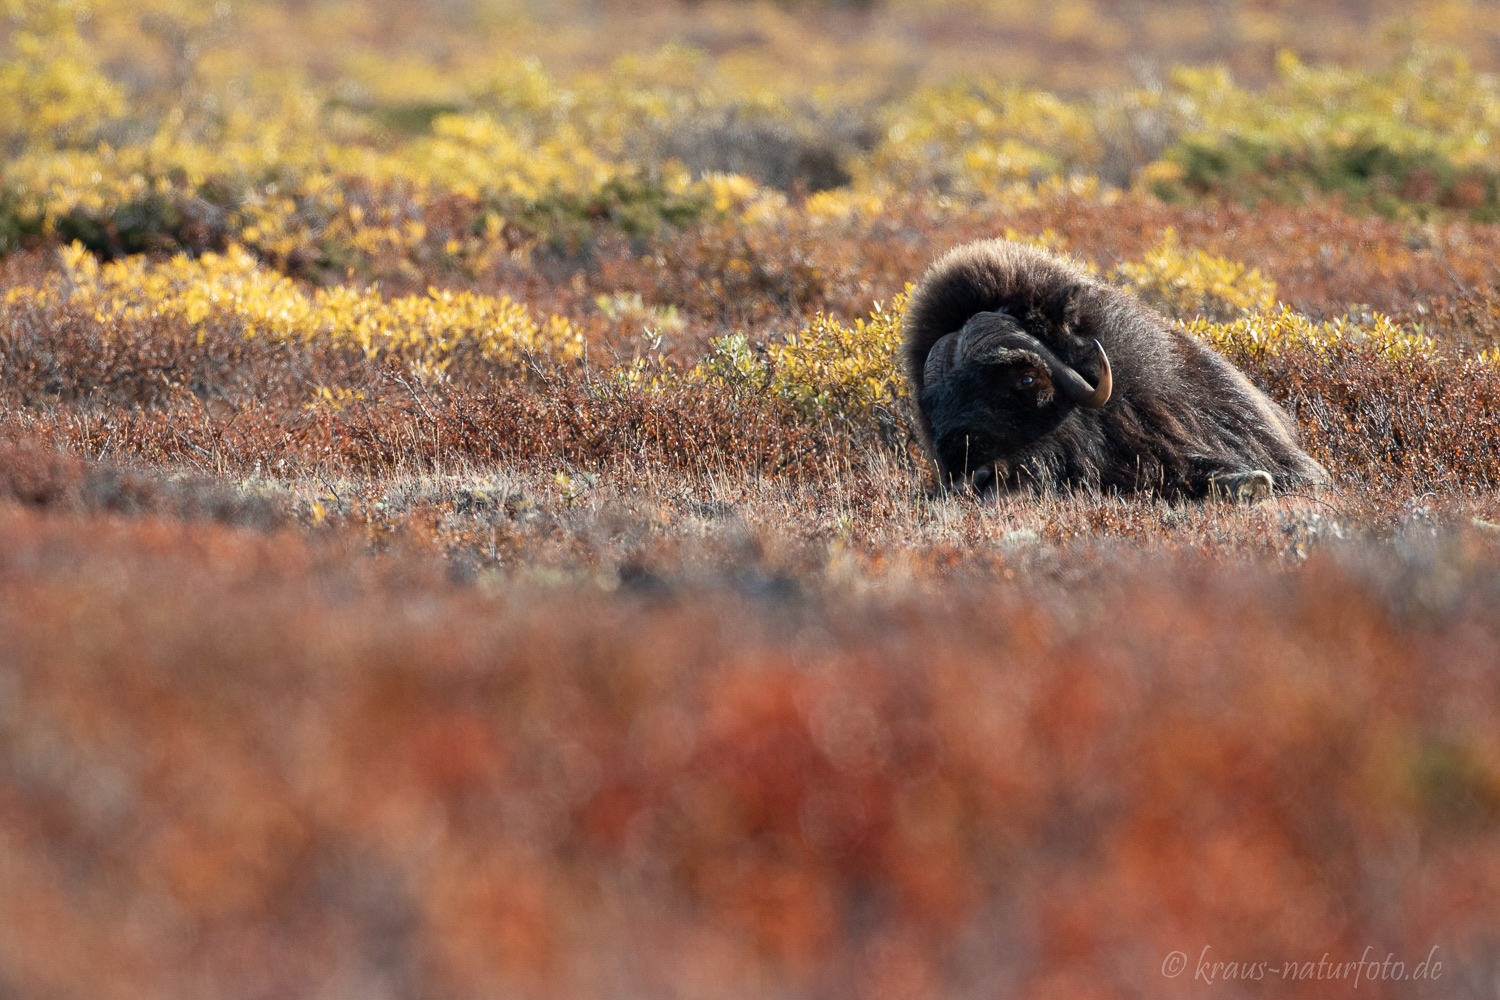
column 461, row 531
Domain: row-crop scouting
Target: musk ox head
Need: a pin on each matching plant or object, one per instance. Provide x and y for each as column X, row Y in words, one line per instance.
column 990, row 389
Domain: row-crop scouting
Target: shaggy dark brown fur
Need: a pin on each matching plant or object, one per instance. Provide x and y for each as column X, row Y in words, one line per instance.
column 1180, row 420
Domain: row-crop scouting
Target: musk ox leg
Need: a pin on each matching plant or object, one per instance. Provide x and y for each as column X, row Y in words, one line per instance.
column 1242, row 487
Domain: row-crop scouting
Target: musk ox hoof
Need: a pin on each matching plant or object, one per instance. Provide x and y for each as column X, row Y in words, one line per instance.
column 1243, row 487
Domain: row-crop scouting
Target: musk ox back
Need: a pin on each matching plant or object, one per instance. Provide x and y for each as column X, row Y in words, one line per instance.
column 1030, row 372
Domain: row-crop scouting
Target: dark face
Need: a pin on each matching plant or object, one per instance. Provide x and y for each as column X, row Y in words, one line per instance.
column 988, row 409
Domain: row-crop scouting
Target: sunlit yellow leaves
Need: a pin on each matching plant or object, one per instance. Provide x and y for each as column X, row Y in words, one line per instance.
column 1417, row 132
column 977, row 137
column 422, row 332
column 477, row 156
column 53, row 90
column 1271, row 331
column 848, row 370
column 1193, row 283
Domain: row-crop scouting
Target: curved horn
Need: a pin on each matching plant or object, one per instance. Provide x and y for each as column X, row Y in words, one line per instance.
column 1077, row 389
column 996, row 329
column 940, row 359
column 951, row 348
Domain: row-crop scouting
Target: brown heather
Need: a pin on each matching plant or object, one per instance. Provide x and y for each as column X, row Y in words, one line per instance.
column 1322, row 260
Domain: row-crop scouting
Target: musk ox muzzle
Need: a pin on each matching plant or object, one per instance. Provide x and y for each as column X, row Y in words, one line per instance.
column 991, row 388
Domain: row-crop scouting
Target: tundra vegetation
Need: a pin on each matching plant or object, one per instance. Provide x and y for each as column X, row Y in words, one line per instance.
column 463, row 533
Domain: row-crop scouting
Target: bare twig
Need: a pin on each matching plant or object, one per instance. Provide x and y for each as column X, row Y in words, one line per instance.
column 1308, row 496
column 338, row 500
column 403, row 383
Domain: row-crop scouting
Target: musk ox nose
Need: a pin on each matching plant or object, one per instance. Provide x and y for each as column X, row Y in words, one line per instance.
column 981, row 480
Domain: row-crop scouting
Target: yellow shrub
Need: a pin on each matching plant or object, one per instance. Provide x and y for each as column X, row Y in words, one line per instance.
column 846, row 371
column 842, row 370
column 978, row 137
column 1192, row 283
column 52, row 89
column 1274, row 330
column 477, row 156
column 843, row 204
column 423, row 332
column 1430, row 100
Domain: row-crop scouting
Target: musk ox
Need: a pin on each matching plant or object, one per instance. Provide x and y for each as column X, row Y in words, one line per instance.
column 1029, row 372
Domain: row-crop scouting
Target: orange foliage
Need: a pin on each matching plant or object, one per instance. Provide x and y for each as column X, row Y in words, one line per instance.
column 241, row 761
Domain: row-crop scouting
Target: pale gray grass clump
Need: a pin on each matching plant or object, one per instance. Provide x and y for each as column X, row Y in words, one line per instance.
column 871, row 520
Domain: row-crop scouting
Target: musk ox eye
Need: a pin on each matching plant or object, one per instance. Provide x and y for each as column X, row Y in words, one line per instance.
column 1026, row 381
